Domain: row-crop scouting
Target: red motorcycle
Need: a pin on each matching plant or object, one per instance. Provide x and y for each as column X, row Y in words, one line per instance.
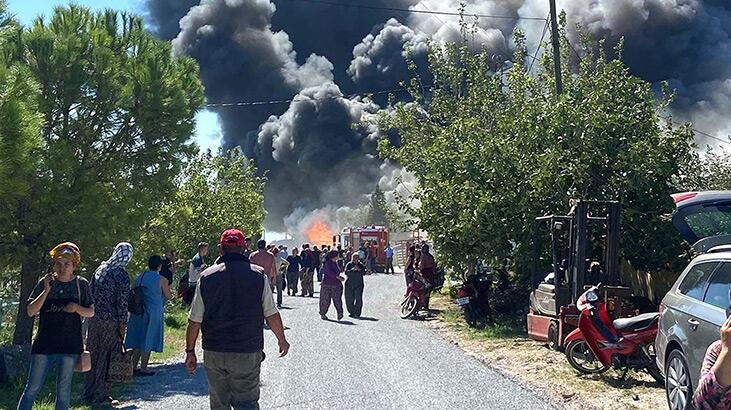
column 600, row 342
column 414, row 298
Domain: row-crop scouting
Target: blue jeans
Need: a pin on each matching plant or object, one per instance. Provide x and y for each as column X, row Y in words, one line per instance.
column 39, row 365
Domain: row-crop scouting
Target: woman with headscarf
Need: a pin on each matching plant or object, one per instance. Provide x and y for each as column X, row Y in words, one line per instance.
column 354, row 271
column 410, row 265
column 110, row 289
column 60, row 299
column 332, row 286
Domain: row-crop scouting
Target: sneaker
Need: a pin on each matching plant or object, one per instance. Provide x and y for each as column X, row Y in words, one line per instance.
column 340, row 316
column 323, row 317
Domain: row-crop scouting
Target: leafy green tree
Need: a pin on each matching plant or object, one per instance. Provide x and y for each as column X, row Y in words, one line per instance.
column 493, row 149
column 20, row 126
column 118, row 115
column 216, row 193
column 706, row 172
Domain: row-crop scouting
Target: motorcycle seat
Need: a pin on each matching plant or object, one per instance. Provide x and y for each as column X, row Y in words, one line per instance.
column 636, row 322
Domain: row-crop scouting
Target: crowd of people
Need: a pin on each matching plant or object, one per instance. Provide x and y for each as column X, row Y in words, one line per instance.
column 231, row 301
column 339, row 271
column 82, row 320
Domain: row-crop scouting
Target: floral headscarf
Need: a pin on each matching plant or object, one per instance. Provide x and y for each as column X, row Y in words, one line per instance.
column 121, row 256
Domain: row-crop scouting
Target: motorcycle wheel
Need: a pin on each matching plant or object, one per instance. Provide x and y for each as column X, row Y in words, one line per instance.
column 581, row 358
column 409, row 307
column 652, row 368
column 469, row 316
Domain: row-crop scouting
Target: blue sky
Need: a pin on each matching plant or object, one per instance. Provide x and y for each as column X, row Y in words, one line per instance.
column 208, row 130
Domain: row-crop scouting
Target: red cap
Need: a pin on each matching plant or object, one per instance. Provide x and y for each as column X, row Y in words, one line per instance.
column 233, row 237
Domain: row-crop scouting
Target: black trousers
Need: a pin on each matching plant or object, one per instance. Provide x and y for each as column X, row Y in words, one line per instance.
column 354, row 296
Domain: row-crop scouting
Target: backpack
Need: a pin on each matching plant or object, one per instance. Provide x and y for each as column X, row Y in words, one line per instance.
column 136, row 298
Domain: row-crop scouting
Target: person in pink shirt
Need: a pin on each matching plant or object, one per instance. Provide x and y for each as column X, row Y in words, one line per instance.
column 265, row 259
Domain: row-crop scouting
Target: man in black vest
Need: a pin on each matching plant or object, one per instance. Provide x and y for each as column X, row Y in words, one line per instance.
column 231, row 301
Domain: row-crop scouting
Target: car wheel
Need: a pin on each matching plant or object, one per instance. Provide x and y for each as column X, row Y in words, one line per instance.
column 678, row 388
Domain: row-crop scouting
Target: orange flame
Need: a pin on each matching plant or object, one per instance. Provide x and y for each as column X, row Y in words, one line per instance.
column 319, row 234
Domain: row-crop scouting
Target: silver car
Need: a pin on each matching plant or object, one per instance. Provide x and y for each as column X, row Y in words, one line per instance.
column 694, row 309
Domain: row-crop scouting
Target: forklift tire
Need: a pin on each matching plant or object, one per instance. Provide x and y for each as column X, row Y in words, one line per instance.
column 553, row 343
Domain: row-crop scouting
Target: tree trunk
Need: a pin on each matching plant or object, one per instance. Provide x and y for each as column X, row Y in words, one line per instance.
column 29, row 273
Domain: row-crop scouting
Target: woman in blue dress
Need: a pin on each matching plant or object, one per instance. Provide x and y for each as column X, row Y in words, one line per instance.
column 145, row 332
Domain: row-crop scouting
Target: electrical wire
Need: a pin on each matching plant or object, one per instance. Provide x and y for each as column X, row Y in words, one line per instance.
column 295, row 100
column 435, row 12
column 697, row 131
column 540, row 44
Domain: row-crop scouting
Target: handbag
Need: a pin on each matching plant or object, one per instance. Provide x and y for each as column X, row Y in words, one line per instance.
column 121, row 367
column 136, row 298
column 83, row 363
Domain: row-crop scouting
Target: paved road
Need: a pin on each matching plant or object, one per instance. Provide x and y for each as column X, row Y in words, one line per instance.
column 378, row 362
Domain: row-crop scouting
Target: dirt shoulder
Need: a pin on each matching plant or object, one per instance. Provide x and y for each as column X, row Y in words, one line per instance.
column 507, row 349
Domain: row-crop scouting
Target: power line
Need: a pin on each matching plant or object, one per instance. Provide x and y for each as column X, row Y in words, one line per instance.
column 697, row 131
column 435, row 12
column 295, row 100
column 421, row 3
column 540, row 44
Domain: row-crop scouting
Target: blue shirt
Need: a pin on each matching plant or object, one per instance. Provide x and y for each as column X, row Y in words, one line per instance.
column 389, row 252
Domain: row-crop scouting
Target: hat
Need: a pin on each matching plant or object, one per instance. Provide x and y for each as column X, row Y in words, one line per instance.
column 233, row 237
column 67, row 250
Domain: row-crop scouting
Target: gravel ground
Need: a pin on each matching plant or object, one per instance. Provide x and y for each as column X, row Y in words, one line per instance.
column 377, row 362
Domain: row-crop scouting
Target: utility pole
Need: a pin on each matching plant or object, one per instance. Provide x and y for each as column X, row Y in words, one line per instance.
column 556, row 48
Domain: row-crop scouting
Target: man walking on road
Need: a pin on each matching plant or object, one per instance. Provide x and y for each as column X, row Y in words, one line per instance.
column 265, row 259
column 388, row 253
column 232, row 299
column 308, row 271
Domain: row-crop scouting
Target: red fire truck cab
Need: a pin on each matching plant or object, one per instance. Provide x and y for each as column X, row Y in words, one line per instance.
column 375, row 235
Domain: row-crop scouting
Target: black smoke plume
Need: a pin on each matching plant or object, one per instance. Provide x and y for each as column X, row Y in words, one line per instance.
column 313, row 150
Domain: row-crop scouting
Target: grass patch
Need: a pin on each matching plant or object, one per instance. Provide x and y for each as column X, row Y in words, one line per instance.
column 176, row 321
column 505, row 327
column 10, row 393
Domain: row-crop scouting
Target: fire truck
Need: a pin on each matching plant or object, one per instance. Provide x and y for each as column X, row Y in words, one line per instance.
column 375, row 235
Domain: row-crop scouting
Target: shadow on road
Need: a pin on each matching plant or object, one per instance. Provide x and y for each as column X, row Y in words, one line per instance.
column 170, row 380
column 340, row 322
column 366, row 318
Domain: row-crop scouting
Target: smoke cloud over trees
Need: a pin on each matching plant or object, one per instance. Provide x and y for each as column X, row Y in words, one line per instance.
column 314, row 149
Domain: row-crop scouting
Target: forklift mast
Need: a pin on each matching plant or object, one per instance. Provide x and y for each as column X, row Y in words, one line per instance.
column 584, row 218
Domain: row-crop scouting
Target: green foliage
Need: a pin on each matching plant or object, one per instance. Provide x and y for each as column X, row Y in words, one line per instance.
column 118, row 110
column 492, row 150
column 708, row 171
column 215, row 193
column 96, row 118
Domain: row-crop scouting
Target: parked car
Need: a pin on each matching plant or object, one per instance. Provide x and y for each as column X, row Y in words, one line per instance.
column 694, row 309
